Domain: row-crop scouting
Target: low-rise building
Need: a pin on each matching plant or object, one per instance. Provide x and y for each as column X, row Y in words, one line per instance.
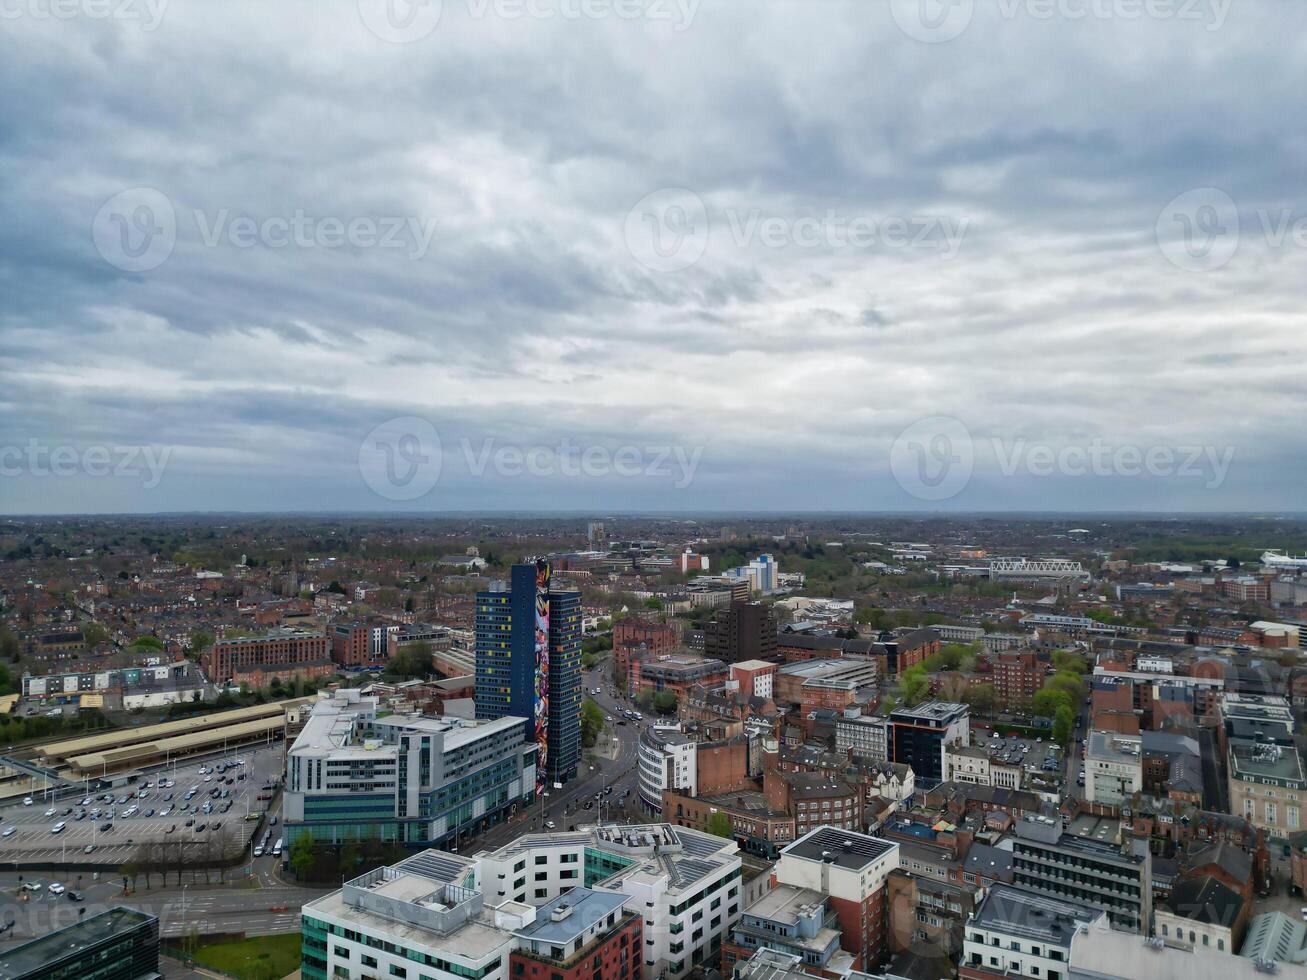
column 1020, row 933
column 1114, row 769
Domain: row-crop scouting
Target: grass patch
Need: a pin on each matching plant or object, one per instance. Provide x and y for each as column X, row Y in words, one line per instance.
column 258, row 958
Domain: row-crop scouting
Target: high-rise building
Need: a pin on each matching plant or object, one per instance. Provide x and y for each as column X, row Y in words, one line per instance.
column 528, row 663
column 741, row 631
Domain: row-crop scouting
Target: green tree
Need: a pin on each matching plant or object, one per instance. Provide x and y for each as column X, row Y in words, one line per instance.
column 664, row 702
column 147, row 642
column 1047, row 702
column 93, row 634
column 201, row 640
column 303, row 854
column 1063, row 722
column 411, row 660
column 719, row 824
column 983, row 698
column 654, row 603
column 9, row 643
column 592, row 723
column 914, row 686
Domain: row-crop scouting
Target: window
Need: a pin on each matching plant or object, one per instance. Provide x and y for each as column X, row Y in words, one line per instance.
column 398, row 971
column 342, row 952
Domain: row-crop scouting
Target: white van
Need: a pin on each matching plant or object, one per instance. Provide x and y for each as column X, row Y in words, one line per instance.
column 276, row 848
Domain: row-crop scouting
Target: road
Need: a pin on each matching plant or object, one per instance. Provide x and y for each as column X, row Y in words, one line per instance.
column 566, row 806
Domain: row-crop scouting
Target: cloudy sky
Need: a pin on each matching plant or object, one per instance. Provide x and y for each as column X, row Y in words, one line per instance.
column 652, row 254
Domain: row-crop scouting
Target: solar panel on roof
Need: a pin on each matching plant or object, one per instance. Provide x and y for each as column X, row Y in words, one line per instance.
column 436, row 866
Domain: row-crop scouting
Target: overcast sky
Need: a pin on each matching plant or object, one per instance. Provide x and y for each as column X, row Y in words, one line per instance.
column 653, row 254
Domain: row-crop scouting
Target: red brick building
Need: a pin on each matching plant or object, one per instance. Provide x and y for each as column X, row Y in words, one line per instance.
column 581, row 935
column 222, row 659
column 1017, row 676
column 259, row 676
column 628, row 634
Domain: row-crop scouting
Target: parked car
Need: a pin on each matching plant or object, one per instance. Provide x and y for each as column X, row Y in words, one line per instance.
column 88, row 849
column 56, row 888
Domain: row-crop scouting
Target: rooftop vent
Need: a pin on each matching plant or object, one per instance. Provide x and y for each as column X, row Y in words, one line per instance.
column 560, row 913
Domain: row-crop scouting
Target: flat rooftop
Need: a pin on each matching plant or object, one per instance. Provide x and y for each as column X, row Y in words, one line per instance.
column 844, row 848
column 40, row 953
column 581, row 909
column 1030, row 915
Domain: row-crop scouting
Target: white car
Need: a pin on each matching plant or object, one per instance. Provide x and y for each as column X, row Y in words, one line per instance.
column 51, row 812
column 27, row 801
column 88, row 849
column 86, row 802
column 55, row 888
column 550, row 824
column 9, row 832
column 58, row 828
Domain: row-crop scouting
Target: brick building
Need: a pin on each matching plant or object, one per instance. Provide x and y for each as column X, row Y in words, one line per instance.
column 741, row 631
column 629, row 634
column 1017, row 676
column 581, row 935
column 288, row 646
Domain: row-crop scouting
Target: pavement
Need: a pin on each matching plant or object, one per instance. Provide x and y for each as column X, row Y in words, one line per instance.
column 33, row 844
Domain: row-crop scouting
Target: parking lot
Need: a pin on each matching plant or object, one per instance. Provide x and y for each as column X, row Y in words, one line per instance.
column 186, row 812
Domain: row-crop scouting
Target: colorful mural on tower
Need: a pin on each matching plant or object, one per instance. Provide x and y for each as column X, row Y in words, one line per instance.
column 542, row 673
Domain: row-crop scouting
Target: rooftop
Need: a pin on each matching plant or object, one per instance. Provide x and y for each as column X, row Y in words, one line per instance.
column 40, row 953
column 567, row 917
column 1032, row 916
column 844, row 848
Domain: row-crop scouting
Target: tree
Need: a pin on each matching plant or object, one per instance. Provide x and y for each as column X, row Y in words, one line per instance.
column 592, row 723
column 411, row 660
column 146, row 642
column 1046, row 702
column 654, row 603
column 983, row 698
column 914, row 685
column 201, row 640
column 9, row 643
column 302, row 855
column 664, row 702
column 1063, row 722
column 93, row 634
column 719, row 824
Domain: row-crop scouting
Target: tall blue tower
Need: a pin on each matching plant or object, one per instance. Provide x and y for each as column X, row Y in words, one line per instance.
column 528, row 663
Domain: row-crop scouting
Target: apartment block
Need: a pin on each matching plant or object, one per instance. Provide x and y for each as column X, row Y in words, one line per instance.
column 284, row 646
